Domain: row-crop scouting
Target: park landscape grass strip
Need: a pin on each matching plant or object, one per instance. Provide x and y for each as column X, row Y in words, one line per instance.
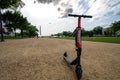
column 103, row 39
column 12, row 37
column 98, row 39
column 95, row 39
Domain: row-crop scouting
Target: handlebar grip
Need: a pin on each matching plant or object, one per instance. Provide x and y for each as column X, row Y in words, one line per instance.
column 85, row 16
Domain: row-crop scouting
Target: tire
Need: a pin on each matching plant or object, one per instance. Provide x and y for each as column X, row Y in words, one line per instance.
column 78, row 71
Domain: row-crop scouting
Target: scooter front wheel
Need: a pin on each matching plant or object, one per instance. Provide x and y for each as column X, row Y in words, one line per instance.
column 78, row 71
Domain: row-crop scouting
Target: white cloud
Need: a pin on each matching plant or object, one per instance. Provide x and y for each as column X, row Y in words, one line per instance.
column 40, row 10
column 98, row 9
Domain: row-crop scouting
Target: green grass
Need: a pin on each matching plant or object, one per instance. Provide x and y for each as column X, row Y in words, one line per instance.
column 11, row 37
column 98, row 39
column 95, row 39
column 103, row 39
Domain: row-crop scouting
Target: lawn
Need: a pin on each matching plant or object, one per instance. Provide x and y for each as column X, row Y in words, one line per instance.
column 98, row 39
column 12, row 37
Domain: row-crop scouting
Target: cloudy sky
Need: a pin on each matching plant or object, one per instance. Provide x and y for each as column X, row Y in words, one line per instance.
column 51, row 15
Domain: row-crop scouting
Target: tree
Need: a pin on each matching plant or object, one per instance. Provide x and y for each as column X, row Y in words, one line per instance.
column 12, row 20
column 4, row 4
column 22, row 24
column 89, row 33
column 97, row 30
column 108, row 32
column 15, row 20
column 67, row 33
column 115, row 27
column 7, row 16
column 83, row 32
column 31, row 31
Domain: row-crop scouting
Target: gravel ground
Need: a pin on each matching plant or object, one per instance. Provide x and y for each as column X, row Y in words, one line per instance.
column 42, row 59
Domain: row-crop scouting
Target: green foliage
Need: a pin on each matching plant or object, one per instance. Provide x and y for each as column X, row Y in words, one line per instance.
column 15, row 20
column 97, row 30
column 89, row 33
column 7, row 16
column 9, row 3
column 12, row 20
column 31, row 31
column 108, row 32
column 67, row 33
column 115, row 26
column 5, row 4
column 86, row 33
column 83, row 32
column 63, row 34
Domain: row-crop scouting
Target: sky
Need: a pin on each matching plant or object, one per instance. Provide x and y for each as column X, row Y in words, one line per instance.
column 52, row 15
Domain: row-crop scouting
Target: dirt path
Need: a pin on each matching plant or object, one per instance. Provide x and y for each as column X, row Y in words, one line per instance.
column 42, row 59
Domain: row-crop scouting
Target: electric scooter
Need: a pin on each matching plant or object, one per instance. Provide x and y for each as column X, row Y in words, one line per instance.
column 77, row 35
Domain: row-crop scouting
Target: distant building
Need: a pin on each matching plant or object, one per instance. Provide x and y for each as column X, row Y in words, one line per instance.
column 103, row 31
column 118, row 33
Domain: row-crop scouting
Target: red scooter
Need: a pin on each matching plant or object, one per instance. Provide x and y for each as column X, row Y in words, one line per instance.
column 77, row 35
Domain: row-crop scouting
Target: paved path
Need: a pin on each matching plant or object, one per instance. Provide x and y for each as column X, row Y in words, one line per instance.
column 42, row 59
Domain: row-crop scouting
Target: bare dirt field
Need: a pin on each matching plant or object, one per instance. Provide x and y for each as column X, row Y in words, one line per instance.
column 42, row 59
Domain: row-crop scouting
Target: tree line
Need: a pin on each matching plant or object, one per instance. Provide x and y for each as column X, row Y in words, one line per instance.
column 12, row 19
column 111, row 31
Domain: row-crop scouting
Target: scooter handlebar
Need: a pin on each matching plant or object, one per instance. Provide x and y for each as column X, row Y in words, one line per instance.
column 84, row 16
